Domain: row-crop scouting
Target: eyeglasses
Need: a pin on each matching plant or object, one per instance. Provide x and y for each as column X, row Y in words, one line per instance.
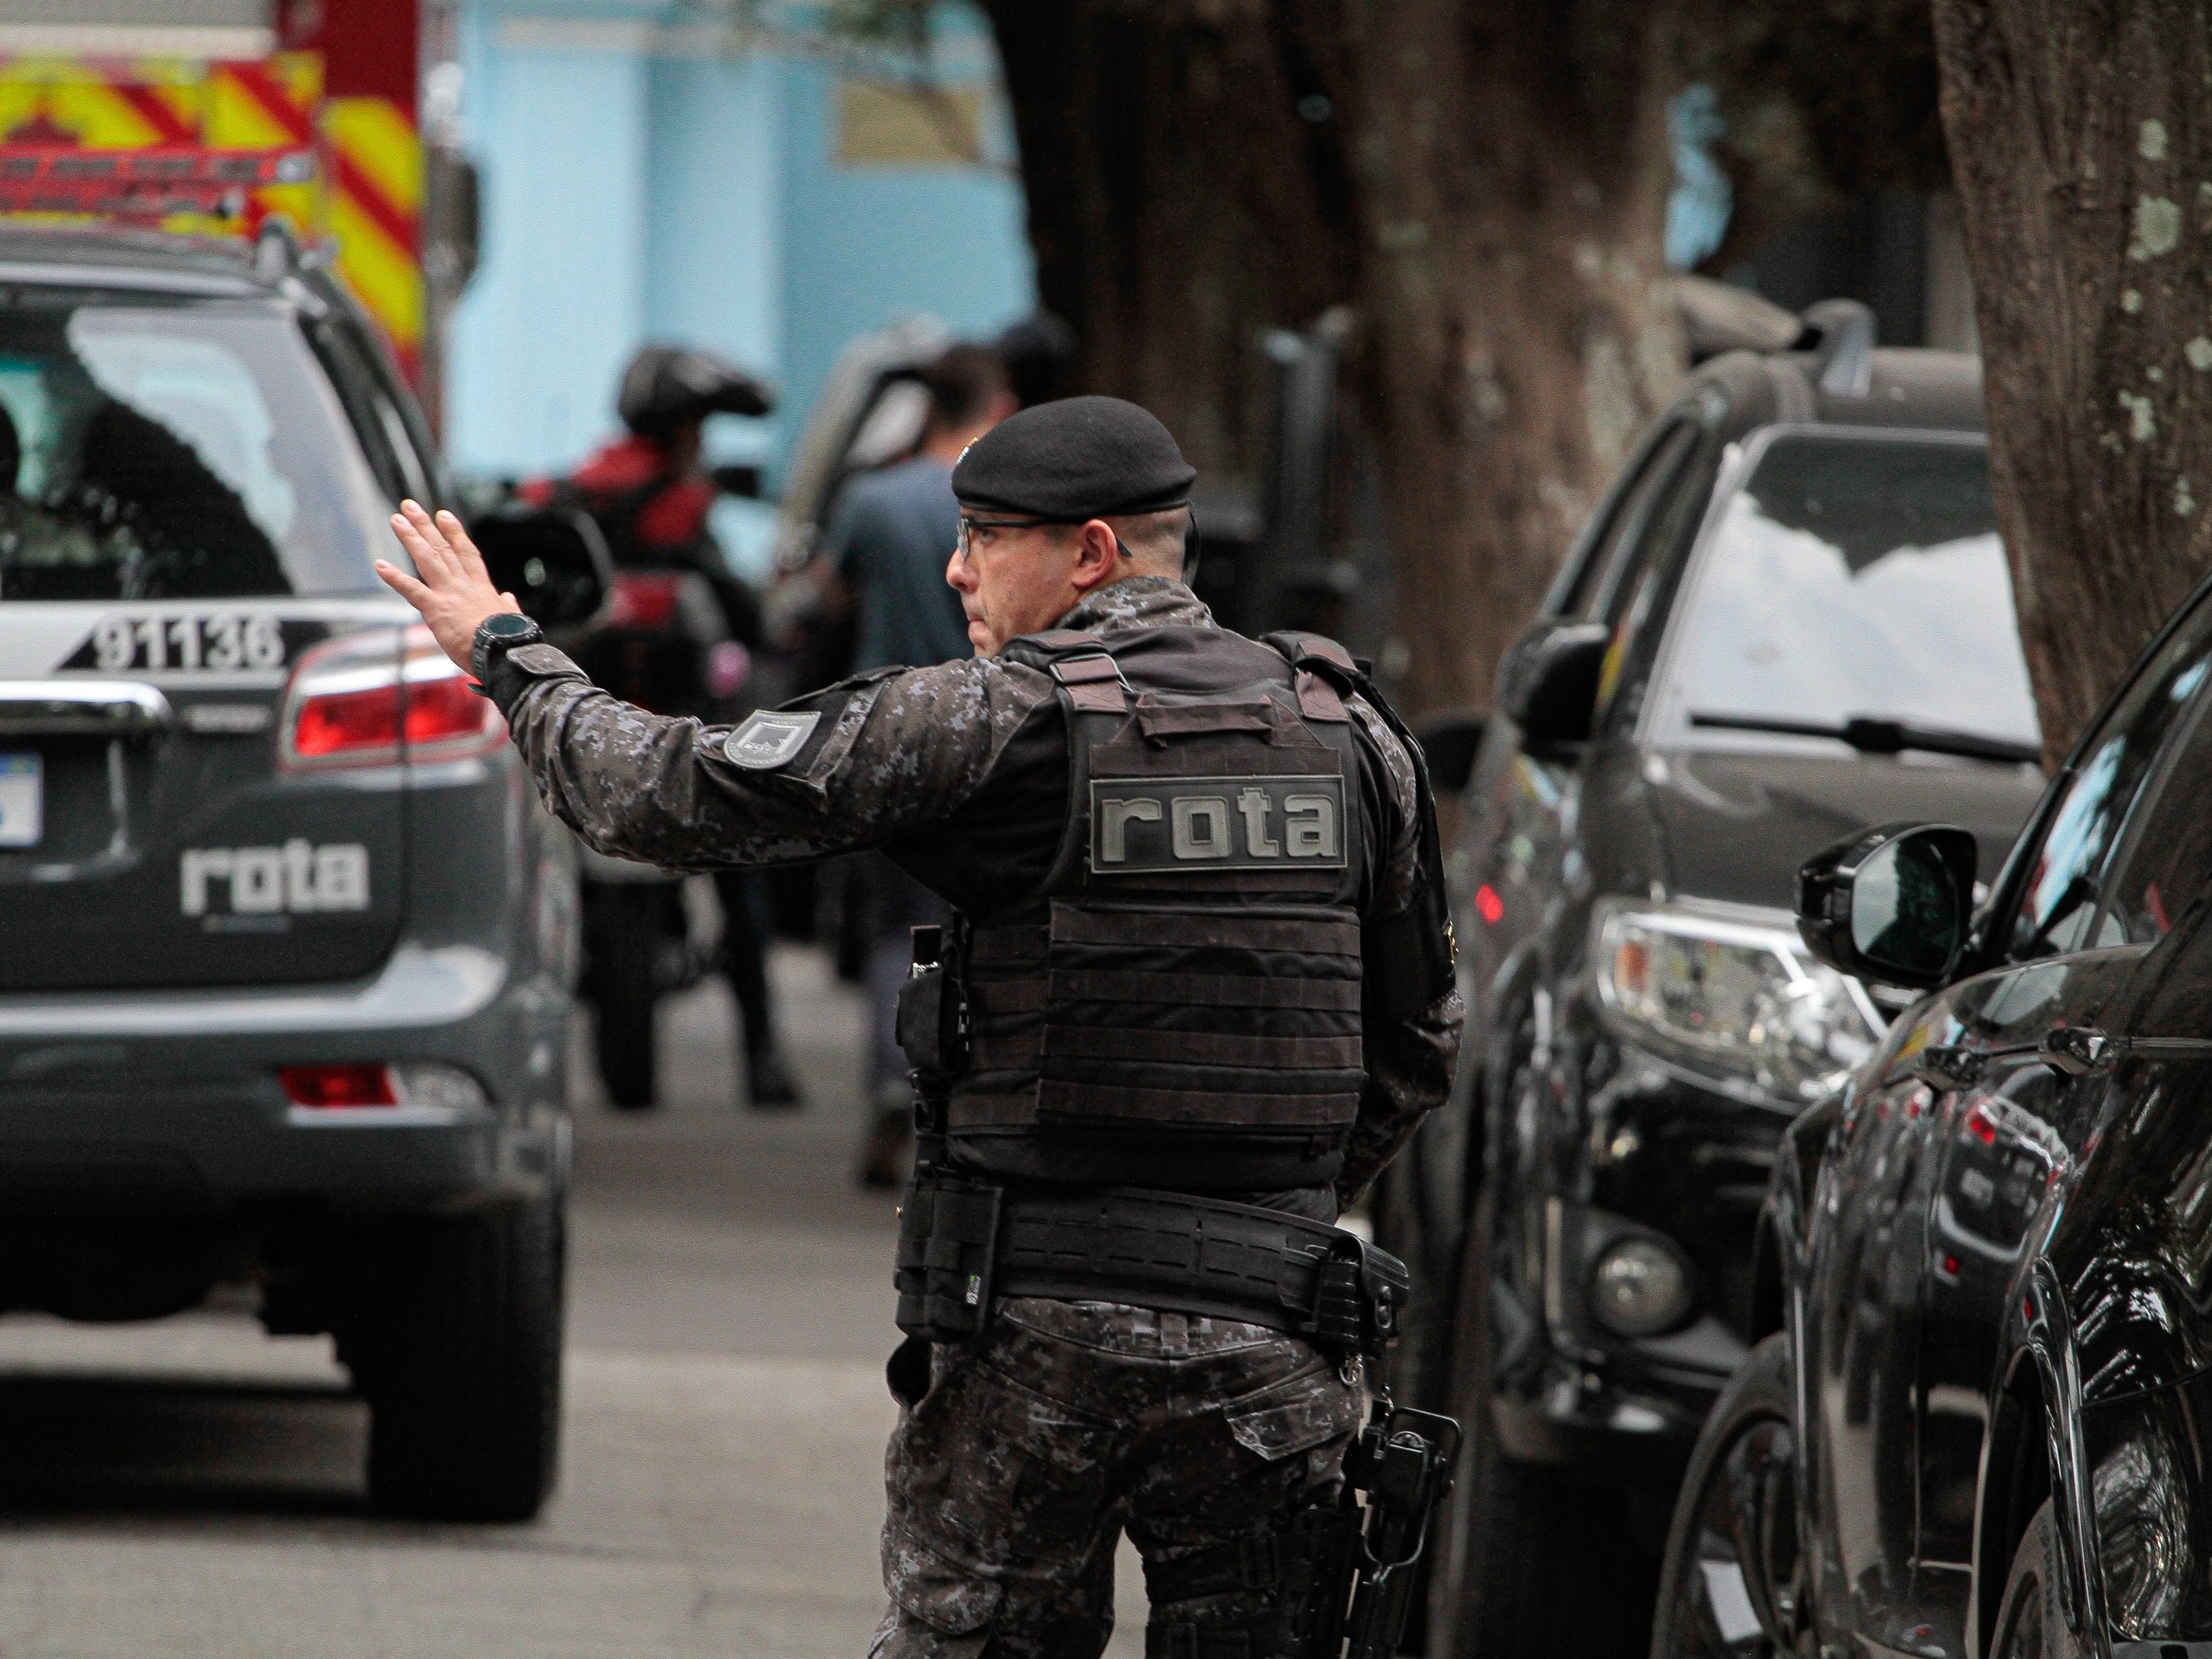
column 963, row 545
column 970, row 524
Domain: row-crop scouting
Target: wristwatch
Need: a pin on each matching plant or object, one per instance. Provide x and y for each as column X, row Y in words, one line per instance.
column 497, row 634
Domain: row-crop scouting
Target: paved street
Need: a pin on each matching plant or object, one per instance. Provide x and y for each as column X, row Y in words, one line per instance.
column 193, row 1488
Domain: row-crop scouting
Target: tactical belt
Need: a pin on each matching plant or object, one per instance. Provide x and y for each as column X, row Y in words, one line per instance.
column 964, row 1244
column 1164, row 1250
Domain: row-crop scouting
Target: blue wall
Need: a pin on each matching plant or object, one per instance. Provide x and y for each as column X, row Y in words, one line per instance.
column 865, row 246
column 642, row 180
column 560, row 297
column 713, row 257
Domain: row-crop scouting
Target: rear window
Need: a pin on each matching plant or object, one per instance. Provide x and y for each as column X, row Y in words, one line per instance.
column 1853, row 577
column 156, row 451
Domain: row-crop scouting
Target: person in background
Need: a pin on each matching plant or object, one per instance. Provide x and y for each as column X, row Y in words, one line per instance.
column 1041, row 352
column 650, row 496
column 888, row 541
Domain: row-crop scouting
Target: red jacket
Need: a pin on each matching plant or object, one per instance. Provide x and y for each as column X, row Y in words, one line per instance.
column 642, row 504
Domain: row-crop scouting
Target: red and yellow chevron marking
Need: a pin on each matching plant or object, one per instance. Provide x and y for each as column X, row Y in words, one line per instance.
column 375, row 163
column 112, row 103
column 267, row 104
column 370, row 195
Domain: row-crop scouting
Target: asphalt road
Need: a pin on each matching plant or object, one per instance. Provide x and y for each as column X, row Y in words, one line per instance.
column 193, row 1487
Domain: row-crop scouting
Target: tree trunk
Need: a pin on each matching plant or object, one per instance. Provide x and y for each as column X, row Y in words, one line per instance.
column 1177, row 201
column 1486, row 179
column 2082, row 138
column 1510, row 185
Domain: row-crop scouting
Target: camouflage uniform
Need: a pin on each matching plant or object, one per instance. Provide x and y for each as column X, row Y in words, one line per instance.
column 1066, row 1422
column 1027, row 1451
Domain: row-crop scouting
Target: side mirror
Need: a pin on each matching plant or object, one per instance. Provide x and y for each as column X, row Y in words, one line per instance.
column 1890, row 905
column 1450, row 743
column 453, row 215
column 555, row 562
column 1547, row 684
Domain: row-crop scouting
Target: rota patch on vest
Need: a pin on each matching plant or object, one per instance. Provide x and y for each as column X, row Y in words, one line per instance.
column 1143, row 826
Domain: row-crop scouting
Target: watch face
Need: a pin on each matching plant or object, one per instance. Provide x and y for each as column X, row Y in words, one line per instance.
column 508, row 624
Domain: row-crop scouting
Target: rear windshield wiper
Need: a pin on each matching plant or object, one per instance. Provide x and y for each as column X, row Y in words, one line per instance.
column 1873, row 736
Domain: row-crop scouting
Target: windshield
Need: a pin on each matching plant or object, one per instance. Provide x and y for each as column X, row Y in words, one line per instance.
column 156, row 451
column 1853, row 577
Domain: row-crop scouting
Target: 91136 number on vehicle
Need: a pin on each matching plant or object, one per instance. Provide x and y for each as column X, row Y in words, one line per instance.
column 216, row 642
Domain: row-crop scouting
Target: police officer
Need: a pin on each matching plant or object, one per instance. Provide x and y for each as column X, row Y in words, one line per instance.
column 1203, row 994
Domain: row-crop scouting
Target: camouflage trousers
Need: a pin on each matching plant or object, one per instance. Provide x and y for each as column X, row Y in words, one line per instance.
column 1035, row 1445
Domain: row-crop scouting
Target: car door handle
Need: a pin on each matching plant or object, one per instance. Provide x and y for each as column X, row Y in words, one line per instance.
column 2077, row 1050
column 1946, row 1066
column 100, row 709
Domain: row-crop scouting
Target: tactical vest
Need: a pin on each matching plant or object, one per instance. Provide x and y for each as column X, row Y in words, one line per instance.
column 1179, row 1008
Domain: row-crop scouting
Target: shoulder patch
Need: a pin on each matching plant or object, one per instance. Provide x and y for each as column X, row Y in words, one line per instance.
column 768, row 739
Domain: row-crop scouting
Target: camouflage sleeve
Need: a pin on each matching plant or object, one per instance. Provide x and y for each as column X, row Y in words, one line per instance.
column 1409, row 1057
column 863, row 762
column 1409, row 1071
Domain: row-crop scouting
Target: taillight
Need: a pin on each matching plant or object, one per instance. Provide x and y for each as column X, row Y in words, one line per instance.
column 338, row 1085
column 372, row 699
column 342, row 1084
column 645, row 599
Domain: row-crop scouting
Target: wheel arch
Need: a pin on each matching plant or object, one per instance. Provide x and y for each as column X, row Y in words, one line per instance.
column 1778, row 1237
column 2034, row 1450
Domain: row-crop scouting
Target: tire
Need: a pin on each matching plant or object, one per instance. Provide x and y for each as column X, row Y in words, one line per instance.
column 1733, row 1584
column 625, row 943
column 2031, row 1614
column 463, row 1359
column 1531, row 1562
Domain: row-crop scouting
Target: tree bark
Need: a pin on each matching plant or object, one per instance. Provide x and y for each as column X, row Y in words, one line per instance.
column 1178, row 201
column 1486, row 180
column 1510, row 176
column 2081, row 135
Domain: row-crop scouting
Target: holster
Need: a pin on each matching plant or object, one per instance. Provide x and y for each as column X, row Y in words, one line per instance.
column 1402, row 1464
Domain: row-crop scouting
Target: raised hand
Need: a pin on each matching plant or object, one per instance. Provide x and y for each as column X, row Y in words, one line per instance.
column 453, row 590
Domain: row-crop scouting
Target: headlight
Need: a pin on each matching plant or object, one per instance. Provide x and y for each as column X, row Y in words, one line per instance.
column 1639, row 1288
column 1735, row 997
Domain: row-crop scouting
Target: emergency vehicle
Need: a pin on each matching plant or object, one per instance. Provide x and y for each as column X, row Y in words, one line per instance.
column 287, row 945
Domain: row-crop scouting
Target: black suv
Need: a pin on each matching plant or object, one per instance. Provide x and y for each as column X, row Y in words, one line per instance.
column 1789, row 618
column 1975, row 1423
column 288, row 942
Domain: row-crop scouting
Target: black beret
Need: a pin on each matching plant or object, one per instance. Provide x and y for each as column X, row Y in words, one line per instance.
column 1075, row 459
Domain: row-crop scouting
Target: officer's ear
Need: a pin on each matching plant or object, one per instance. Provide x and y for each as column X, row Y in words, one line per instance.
column 1098, row 554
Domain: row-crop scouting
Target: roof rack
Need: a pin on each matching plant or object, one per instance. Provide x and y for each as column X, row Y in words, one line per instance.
column 144, row 186
column 1843, row 346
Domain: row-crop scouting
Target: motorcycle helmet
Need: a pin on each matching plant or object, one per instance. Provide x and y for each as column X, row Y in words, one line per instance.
column 665, row 386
